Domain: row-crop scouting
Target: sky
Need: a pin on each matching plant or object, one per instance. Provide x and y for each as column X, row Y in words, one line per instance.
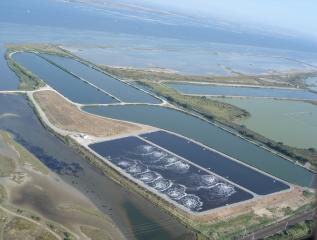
column 293, row 16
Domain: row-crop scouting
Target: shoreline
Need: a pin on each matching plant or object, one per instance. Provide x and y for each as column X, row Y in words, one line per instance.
column 186, row 218
column 164, row 103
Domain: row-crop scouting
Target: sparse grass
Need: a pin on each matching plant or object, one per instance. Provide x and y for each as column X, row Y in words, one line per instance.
column 25, row 156
column 21, row 229
column 43, row 48
column 7, row 166
column 227, row 114
column 96, row 233
column 234, row 227
column 298, row 231
column 55, row 107
column 209, row 108
column 278, row 79
column 28, row 80
column 4, row 218
column 148, row 75
column 3, row 194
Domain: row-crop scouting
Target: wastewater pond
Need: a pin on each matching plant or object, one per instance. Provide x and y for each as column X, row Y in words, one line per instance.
column 119, row 89
column 69, row 86
column 210, row 135
column 168, row 175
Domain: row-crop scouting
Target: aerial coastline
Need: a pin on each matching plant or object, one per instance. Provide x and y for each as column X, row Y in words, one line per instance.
column 52, row 118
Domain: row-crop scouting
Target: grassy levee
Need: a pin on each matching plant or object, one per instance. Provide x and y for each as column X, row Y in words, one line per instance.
column 279, row 79
column 302, row 230
column 28, row 80
column 225, row 114
column 155, row 76
column 209, row 108
column 236, row 227
column 43, row 48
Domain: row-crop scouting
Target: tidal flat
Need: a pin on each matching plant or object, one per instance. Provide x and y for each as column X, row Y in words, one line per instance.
column 136, row 217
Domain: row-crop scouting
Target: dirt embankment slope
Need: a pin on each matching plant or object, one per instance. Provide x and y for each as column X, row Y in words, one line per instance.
column 67, row 116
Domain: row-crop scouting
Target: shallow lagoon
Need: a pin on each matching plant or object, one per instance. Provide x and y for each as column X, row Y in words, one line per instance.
column 211, row 136
column 214, row 90
column 291, row 122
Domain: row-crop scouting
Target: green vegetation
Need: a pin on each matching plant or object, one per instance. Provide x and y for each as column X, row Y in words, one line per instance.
column 234, row 227
column 307, row 194
column 214, row 110
column 211, row 109
column 300, row 155
column 43, row 48
column 227, row 114
column 297, row 231
column 280, row 79
column 28, row 80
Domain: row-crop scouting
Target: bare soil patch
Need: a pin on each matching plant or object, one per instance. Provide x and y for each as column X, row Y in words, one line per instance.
column 67, row 116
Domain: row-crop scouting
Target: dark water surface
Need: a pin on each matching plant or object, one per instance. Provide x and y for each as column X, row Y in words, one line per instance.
column 191, row 187
column 211, row 136
column 136, row 217
column 240, row 174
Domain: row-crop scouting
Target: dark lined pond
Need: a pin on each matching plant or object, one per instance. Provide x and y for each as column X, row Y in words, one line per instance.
column 211, row 136
column 136, row 217
column 170, row 176
column 238, row 173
